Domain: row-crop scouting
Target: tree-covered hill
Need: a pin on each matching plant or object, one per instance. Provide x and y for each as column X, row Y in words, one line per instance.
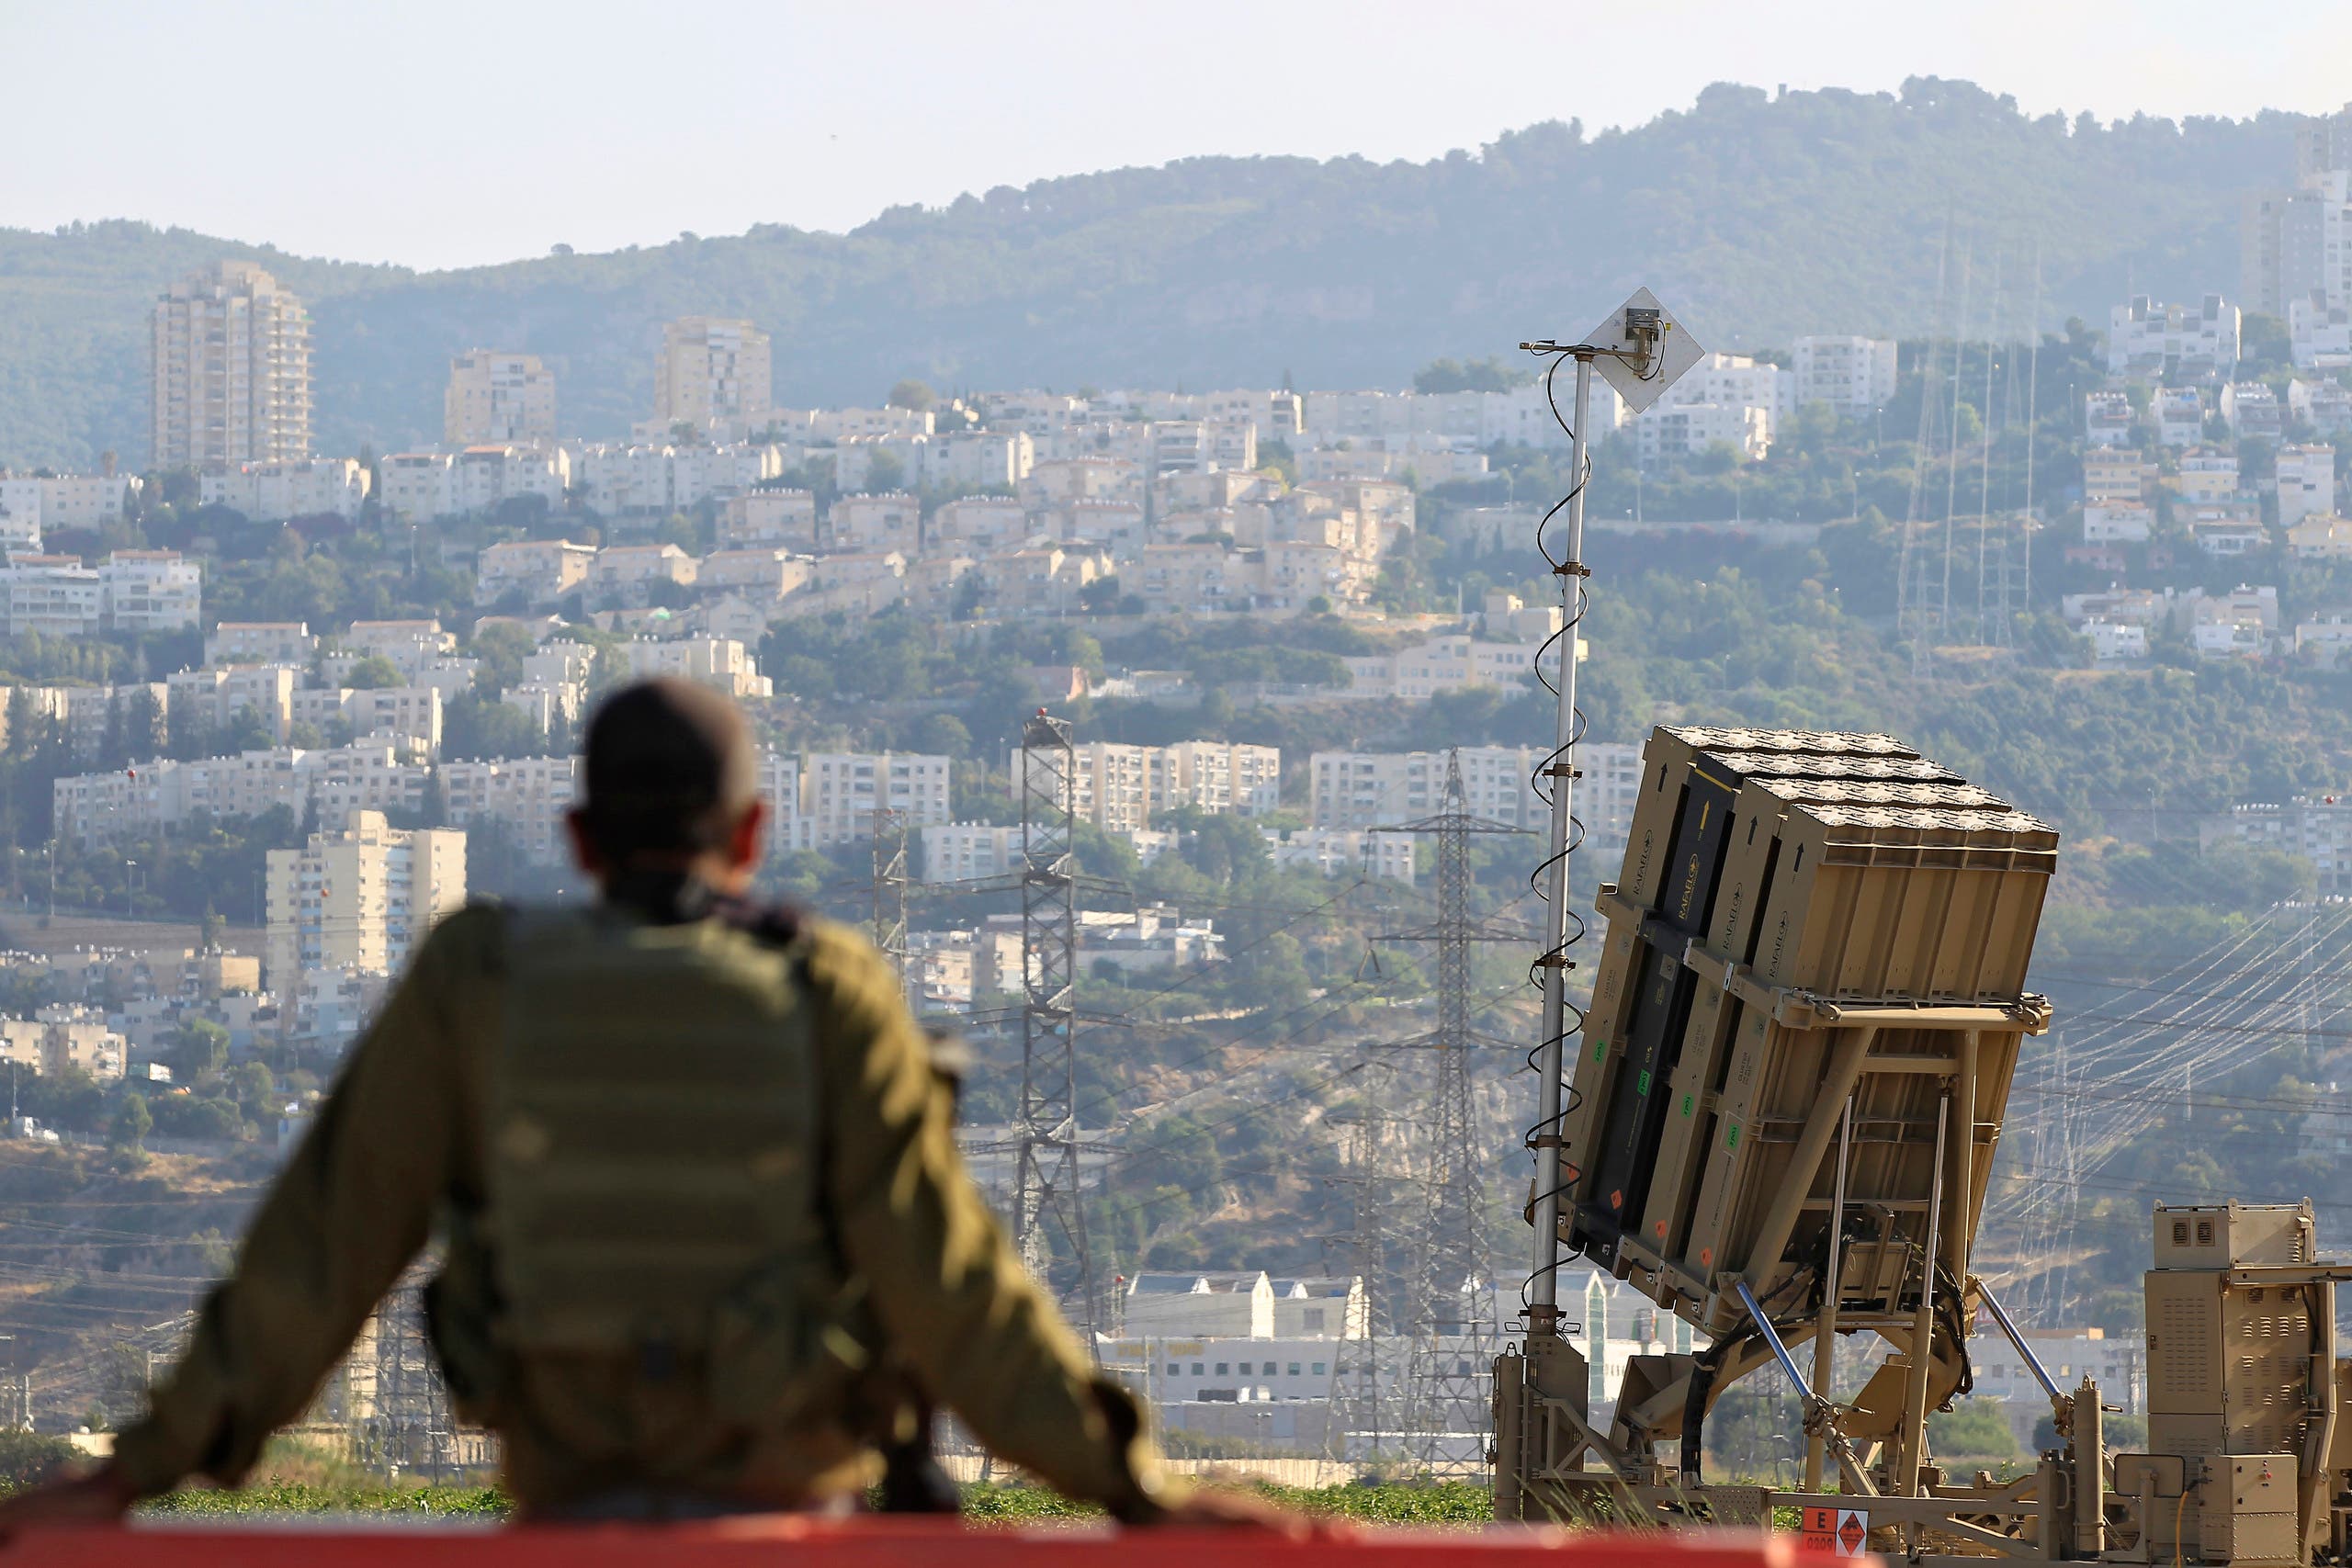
column 1756, row 216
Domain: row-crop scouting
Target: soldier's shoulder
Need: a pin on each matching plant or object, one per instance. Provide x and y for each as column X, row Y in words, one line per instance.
column 837, row 952
column 478, row 928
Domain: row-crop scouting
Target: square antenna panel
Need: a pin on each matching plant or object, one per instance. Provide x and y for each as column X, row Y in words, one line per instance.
column 1661, row 350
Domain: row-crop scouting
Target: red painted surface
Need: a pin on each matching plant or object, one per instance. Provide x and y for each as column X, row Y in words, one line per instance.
column 870, row 1543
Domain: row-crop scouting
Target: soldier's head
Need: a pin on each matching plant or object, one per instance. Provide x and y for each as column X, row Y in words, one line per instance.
column 671, row 785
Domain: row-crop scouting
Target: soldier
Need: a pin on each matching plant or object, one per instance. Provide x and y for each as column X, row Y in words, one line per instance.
column 698, row 1183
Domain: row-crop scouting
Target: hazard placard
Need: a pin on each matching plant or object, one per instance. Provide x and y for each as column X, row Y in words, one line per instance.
column 1843, row 1531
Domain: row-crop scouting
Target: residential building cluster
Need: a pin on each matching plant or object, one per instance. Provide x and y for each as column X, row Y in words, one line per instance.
column 2186, row 455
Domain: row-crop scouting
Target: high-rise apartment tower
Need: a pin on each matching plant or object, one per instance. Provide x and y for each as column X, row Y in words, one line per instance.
column 713, row 375
column 233, row 370
column 506, row 399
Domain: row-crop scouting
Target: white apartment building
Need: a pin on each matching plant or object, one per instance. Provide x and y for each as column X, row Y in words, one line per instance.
column 2180, row 416
column 2116, row 474
column 131, row 715
column 506, row 398
column 212, row 697
column 2148, row 339
column 984, row 525
column 1855, row 375
column 2318, row 334
column 63, row 1036
column 1688, row 430
column 2115, row 642
column 1440, row 665
column 2318, row 537
column 2320, row 831
column 410, row 714
column 2306, row 481
column 892, row 521
column 85, row 500
column 627, row 574
column 721, row 663
column 359, row 896
column 2253, row 411
column 487, row 474
column 780, row 790
column 20, row 516
column 770, row 519
column 92, row 808
column 1379, row 789
column 418, row 486
column 635, row 480
column 535, row 572
column 1735, row 380
column 130, row 591
column 760, row 576
column 1373, row 789
column 962, row 851
column 2121, row 607
column 2236, row 624
column 546, row 705
column 272, row 492
column 2109, row 419
column 30, row 504
column 1121, row 788
column 713, row 373
column 1342, row 851
column 231, row 364
column 408, row 646
column 2324, row 405
column 1520, row 416
column 2325, row 640
column 2117, row 523
column 421, row 486
column 524, row 798
column 54, row 595
column 2207, row 473
column 979, row 460
column 149, row 590
column 820, row 426
column 840, row 791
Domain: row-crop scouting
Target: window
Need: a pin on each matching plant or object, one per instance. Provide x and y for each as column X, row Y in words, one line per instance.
column 1175, row 1369
column 1319, row 1368
column 1270, row 1369
column 1196, row 1368
column 1294, row 1368
column 1221, row 1368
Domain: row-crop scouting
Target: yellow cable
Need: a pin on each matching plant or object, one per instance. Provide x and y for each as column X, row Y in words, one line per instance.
column 2178, row 1510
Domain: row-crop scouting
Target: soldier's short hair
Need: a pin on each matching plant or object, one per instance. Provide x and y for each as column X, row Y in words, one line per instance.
column 668, row 770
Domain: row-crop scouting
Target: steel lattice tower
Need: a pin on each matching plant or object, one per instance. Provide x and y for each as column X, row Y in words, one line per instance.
column 890, row 833
column 1451, row 1313
column 1045, row 1194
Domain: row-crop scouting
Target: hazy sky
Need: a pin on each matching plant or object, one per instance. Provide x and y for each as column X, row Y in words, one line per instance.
column 440, row 134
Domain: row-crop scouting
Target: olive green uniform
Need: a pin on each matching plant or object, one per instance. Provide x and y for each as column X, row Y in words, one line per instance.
column 406, row 1141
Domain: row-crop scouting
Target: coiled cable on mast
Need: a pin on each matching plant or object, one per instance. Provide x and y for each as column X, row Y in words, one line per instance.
column 1544, row 782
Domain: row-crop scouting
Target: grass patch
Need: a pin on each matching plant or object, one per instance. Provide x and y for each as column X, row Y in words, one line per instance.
column 1450, row 1503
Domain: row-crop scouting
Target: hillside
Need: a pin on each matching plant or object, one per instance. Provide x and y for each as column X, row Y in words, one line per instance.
column 1757, row 217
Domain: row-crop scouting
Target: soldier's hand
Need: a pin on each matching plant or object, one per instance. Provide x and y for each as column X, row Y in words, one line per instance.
column 100, row 1498
column 1224, row 1507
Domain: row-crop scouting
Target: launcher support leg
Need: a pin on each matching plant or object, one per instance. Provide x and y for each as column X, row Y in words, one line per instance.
column 1825, row 1338
column 1911, row 1441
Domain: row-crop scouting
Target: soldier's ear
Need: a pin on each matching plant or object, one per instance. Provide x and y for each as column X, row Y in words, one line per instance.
column 583, row 843
column 749, row 838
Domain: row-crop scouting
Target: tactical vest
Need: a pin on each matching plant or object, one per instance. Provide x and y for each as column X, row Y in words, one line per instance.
column 654, row 1161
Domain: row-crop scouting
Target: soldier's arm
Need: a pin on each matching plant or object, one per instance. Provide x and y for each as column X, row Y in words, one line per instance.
column 336, row 1228
column 950, row 1292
